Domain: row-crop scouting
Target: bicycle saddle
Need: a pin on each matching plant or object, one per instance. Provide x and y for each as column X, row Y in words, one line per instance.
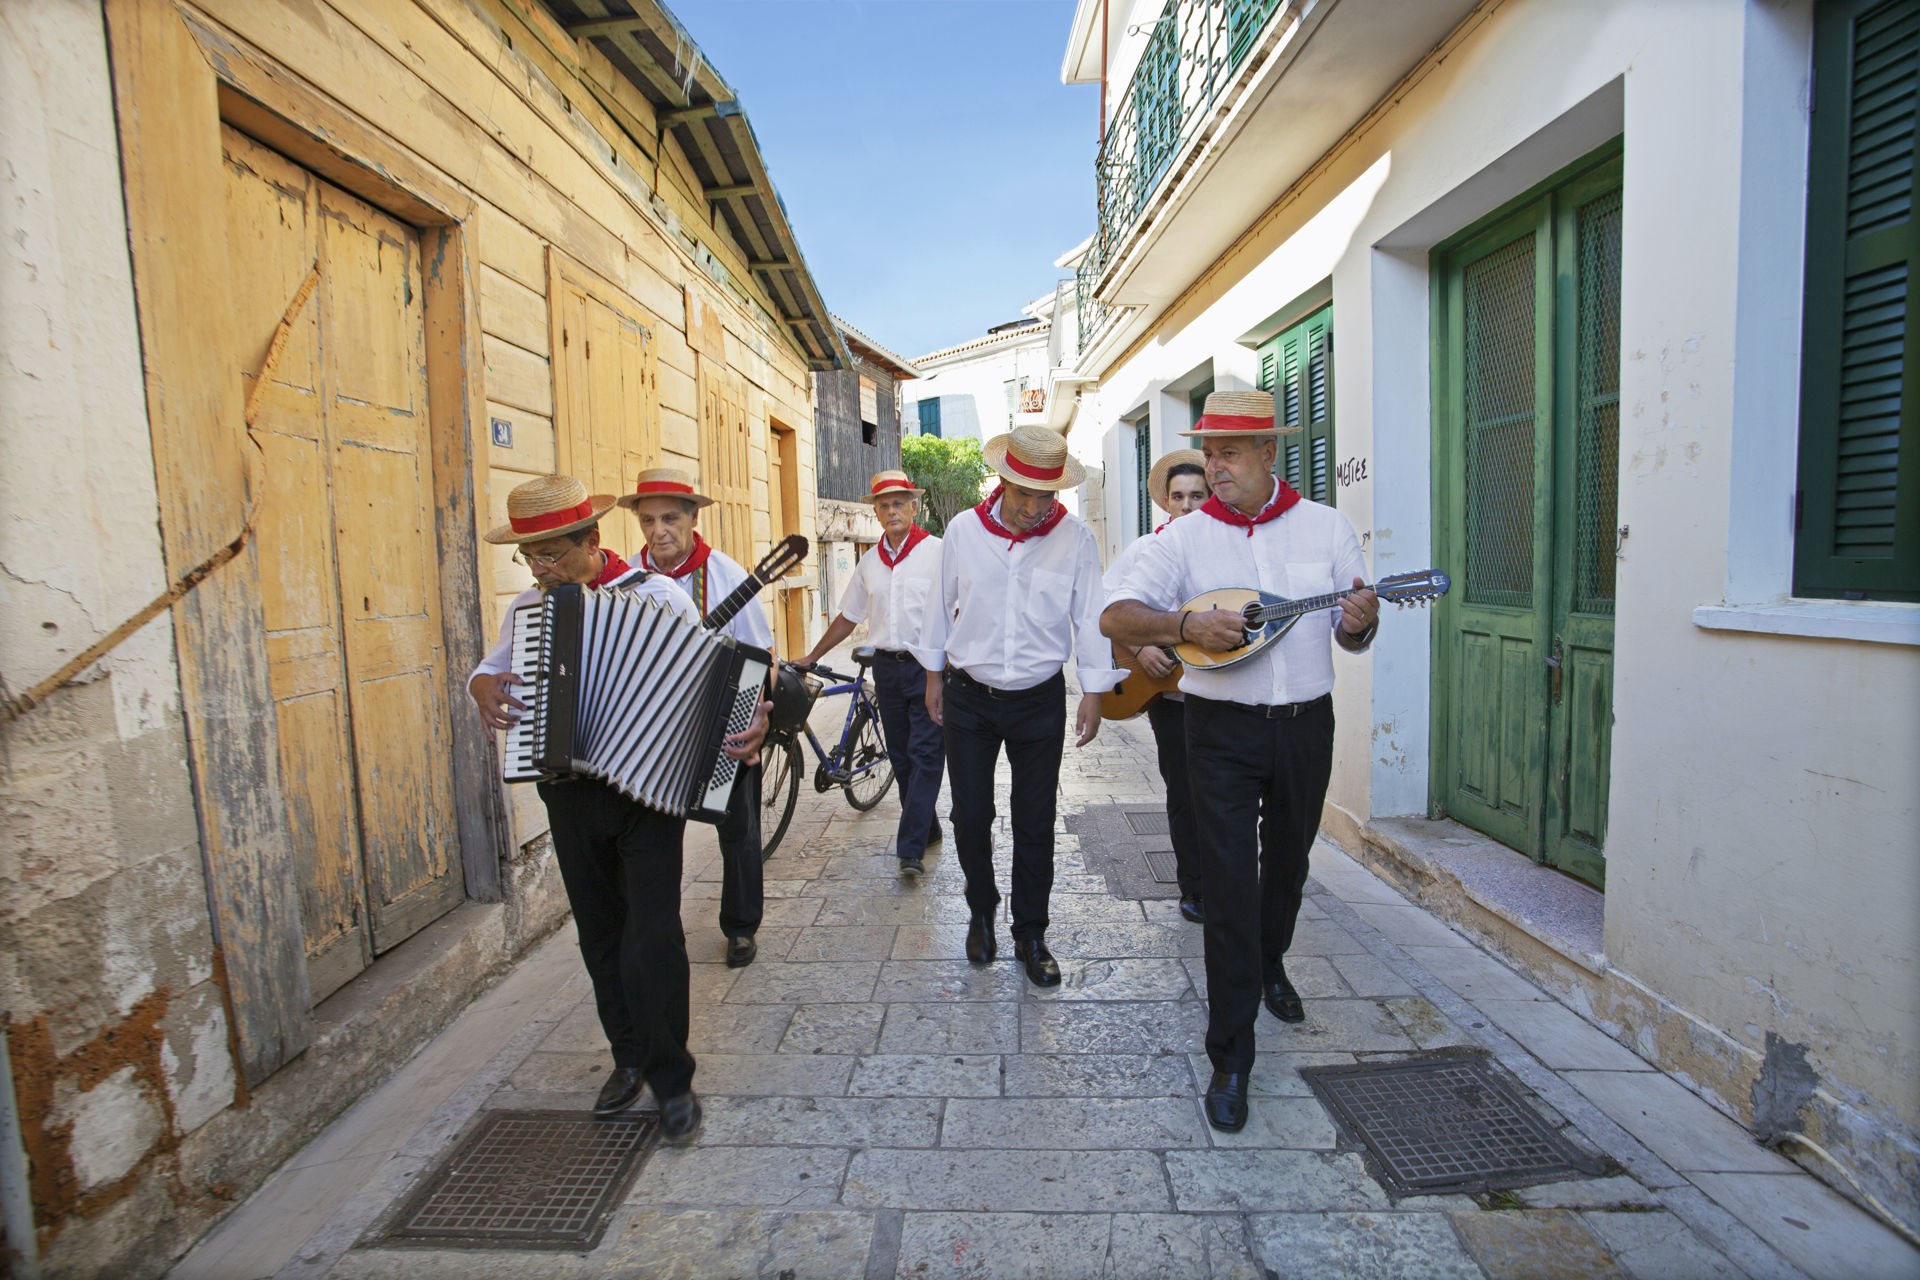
column 864, row 656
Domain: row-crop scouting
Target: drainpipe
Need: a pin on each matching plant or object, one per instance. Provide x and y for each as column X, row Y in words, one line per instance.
column 1103, row 74
column 15, row 1200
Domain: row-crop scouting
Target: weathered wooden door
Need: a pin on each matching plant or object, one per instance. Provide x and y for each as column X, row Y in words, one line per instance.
column 608, row 431
column 348, row 559
column 1528, row 448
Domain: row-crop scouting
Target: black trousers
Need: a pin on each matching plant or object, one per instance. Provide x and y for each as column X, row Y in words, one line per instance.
column 621, row 863
column 742, row 883
column 916, row 746
column 1168, row 716
column 1032, row 725
column 1258, row 788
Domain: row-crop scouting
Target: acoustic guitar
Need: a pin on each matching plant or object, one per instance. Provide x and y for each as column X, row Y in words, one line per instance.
column 1130, row 697
column 1268, row 616
column 786, row 554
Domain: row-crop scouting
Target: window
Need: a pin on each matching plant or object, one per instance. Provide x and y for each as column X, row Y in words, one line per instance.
column 1142, row 466
column 1297, row 366
column 869, row 410
column 1197, row 402
column 1015, row 388
column 930, row 417
column 1858, row 506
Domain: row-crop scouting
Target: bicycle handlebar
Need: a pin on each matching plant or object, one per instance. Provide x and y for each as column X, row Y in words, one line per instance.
column 817, row 670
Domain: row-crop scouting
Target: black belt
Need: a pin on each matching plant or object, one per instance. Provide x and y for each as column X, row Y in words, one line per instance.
column 1284, row 711
column 898, row 655
column 958, row 676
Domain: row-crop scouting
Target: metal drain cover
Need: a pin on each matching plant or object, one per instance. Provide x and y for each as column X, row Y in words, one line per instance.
column 1163, row 866
column 1150, row 823
column 527, row 1180
column 1445, row 1125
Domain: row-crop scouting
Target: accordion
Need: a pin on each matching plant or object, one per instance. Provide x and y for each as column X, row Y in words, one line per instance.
column 623, row 689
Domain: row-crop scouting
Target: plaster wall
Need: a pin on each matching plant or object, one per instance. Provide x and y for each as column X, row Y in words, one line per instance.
column 972, row 387
column 117, row 1031
column 1759, row 859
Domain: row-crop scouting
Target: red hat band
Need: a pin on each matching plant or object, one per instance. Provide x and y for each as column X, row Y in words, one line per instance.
column 892, row 484
column 649, row 487
column 551, row 519
column 1033, row 472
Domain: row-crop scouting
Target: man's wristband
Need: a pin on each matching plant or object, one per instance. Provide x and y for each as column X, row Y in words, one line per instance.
column 1360, row 640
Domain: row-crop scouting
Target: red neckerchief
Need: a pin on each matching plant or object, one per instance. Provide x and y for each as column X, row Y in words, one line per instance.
column 1283, row 497
column 696, row 559
column 914, row 535
column 1163, row 524
column 614, row 569
column 1055, row 514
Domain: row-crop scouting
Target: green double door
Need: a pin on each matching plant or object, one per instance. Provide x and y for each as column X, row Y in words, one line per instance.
column 1527, row 434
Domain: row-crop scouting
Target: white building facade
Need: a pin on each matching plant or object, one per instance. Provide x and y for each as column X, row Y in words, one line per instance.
column 976, row 388
column 1542, row 284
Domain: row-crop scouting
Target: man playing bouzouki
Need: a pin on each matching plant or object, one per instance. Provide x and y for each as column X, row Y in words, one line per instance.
column 1259, row 731
column 1178, row 486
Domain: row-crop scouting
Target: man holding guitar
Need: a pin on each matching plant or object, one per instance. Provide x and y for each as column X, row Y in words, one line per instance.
column 619, row 859
column 1259, row 730
column 888, row 591
column 664, row 501
column 1178, row 486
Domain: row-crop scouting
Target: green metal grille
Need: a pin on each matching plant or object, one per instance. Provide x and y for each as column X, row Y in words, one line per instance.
column 1499, row 386
column 1142, row 466
column 1597, row 457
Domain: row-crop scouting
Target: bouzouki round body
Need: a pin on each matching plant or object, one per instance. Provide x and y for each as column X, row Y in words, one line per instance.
column 1236, row 599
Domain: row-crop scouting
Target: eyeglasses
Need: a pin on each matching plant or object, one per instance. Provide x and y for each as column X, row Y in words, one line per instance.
column 535, row 560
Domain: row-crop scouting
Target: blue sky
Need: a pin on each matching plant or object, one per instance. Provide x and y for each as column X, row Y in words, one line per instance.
column 931, row 161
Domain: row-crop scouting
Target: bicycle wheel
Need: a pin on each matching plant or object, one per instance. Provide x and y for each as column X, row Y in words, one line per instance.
column 779, row 788
column 868, row 762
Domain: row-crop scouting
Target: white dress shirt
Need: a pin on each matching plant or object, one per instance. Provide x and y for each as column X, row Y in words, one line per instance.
column 658, row 586
column 893, row 601
column 1011, row 616
column 1310, row 550
column 749, row 626
column 1117, row 574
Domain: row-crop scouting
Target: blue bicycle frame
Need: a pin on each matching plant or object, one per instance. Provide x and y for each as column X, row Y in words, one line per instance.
column 836, row 762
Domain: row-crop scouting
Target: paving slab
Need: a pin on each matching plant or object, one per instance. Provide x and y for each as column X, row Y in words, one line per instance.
column 1254, row 1181
column 959, row 1027
column 1658, row 1246
column 1099, row 1075
column 821, row 1122
column 690, row 1244
column 1012, row 1124
column 1473, row 973
column 1675, row 1124
column 1112, row 1027
column 1545, row 1244
column 1561, row 1038
column 1815, row 1229
column 771, row 1177
column 834, row 1028
column 1014, row 1181
column 1364, row 1246
column 938, row 1075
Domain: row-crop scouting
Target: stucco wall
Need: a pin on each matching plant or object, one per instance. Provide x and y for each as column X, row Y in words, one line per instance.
column 972, row 387
column 1760, row 869
column 118, row 1036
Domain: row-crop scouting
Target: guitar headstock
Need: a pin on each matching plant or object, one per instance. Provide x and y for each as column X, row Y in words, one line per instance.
column 786, row 554
column 1413, row 588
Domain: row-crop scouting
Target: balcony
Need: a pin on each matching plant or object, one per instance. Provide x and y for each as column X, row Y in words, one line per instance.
column 1275, row 82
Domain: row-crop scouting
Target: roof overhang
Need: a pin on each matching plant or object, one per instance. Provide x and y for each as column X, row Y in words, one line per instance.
column 873, row 353
column 1083, row 64
column 647, row 45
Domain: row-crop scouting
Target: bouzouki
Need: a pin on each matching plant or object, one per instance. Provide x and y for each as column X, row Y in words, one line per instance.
column 786, row 553
column 1268, row 616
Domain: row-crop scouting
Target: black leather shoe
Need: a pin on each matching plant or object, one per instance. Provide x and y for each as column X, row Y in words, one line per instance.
column 741, row 951
column 1042, row 969
column 618, row 1093
column 912, row 867
column 680, row 1118
column 982, row 947
column 1191, row 910
column 1283, row 1002
column 1226, row 1101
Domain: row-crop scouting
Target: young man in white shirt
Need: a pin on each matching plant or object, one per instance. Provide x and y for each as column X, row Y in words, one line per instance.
column 1177, row 483
column 620, row 861
column 668, row 508
column 888, row 592
column 1019, row 594
column 1259, row 732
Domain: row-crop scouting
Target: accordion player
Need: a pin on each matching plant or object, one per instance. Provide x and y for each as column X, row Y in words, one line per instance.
column 636, row 695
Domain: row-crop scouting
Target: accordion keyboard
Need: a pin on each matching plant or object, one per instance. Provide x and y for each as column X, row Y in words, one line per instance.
column 522, row 740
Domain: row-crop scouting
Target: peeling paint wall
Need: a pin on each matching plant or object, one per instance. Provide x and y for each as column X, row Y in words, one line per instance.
column 116, row 1024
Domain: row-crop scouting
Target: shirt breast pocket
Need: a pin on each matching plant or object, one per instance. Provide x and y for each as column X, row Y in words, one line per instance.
column 1052, row 593
column 909, row 602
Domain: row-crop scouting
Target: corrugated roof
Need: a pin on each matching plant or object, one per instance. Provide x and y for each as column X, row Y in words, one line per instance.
column 877, row 353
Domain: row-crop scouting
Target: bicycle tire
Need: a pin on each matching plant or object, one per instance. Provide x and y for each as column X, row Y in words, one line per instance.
column 866, row 750
column 779, row 790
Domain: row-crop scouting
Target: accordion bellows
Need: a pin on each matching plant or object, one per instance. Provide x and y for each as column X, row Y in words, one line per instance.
column 624, row 690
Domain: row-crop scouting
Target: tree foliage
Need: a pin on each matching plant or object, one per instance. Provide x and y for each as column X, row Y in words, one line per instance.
column 951, row 471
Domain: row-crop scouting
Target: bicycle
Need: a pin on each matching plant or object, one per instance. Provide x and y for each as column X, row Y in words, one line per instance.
column 858, row 762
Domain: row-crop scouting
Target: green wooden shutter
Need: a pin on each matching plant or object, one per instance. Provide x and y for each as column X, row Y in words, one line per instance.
column 930, row 417
column 1859, row 502
column 1296, row 365
column 1142, row 467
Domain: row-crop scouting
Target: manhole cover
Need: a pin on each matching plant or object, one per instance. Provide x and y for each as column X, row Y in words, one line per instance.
column 1164, row 867
column 1444, row 1125
column 527, row 1180
column 1151, row 823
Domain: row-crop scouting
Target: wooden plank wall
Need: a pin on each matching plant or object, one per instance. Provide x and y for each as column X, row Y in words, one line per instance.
column 847, row 463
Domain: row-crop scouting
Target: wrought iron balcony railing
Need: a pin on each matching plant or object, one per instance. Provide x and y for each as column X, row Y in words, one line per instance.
column 1190, row 59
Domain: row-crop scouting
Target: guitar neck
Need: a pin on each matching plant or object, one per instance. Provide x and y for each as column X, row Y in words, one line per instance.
column 721, row 614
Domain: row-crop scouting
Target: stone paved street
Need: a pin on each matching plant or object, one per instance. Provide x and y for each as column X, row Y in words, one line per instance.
column 876, row 1107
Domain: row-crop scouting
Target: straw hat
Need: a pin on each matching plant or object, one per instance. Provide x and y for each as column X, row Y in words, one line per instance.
column 664, row 482
column 548, row 507
column 887, row 482
column 1238, row 413
column 1034, row 458
column 1157, row 482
